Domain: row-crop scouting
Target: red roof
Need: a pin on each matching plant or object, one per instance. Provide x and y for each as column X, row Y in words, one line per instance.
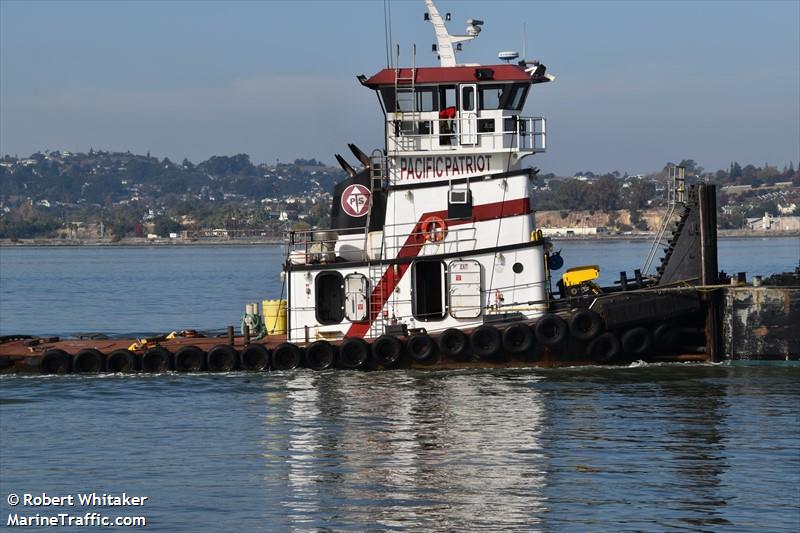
column 435, row 75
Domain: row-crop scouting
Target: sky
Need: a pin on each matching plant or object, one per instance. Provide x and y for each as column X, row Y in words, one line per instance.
column 638, row 83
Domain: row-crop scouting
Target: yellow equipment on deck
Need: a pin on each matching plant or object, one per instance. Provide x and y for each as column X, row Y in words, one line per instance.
column 579, row 281
column 577, row 275
column 274, row 312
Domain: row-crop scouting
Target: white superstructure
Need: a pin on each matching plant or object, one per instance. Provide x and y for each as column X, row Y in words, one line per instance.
column 436, row 231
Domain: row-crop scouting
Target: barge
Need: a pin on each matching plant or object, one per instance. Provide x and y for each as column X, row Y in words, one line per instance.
column 433, row 259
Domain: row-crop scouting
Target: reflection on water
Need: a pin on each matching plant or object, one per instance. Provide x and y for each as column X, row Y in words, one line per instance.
column 431, row 452
column 673, row 447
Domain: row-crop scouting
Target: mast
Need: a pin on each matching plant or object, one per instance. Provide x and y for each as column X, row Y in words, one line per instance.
column 447, row 53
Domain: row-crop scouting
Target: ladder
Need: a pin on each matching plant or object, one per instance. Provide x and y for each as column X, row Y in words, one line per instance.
column 405, row 102
column 378, row 294
column 676, row 195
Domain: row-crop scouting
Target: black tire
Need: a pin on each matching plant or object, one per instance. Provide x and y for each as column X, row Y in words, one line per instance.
column 665, row 336
column 353, row 353
column 585, row 325
column 637, row 342
column 387, row 350
column 156, row 360
column 54, row 361
column 453, row 343
column 190, row 359
column 320, row 355
column 286, row 356
column 551, row 330
column 222, row 358
column 88, row 361
column 121, row 361
column 485, row 341
column 604, row 348
column 517, row 338
column 420, row 347
column 254, row 358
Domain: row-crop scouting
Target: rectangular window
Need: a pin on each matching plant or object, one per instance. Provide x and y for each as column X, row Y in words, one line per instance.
column 492, row 96
column 329, row 294
column 468, row 98
column 426, row 100
column 517, row 100
column 447, row 96
column 428, row 302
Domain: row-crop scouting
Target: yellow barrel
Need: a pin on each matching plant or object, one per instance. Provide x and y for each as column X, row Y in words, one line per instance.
column 274, row 312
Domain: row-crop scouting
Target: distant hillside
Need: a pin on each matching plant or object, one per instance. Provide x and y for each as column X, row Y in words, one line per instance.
column 102, row 177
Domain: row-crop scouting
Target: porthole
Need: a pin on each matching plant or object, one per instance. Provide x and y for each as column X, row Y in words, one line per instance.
column 517, row 268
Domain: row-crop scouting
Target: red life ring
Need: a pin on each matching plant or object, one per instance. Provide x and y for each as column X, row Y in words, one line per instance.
column 434, row 229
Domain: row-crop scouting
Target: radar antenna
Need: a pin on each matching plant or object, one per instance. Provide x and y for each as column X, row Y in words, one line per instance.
column 447, row 53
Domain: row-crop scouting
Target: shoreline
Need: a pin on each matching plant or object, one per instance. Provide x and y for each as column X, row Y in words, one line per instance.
column 52, row 242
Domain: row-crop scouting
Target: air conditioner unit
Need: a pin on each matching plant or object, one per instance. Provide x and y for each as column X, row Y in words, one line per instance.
column 459, row 196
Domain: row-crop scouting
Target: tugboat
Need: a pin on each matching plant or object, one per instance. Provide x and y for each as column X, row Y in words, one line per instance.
column 434, row 260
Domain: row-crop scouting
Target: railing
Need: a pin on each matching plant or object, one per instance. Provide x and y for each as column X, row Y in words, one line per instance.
column 525, row 134
column 319, row 246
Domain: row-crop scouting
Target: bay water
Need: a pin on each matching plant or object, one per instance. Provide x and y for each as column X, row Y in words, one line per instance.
column 674, row 447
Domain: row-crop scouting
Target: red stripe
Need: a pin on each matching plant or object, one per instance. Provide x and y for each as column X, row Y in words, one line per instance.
column 413, row 245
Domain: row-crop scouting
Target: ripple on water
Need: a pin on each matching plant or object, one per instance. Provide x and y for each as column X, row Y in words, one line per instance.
column 639, row 448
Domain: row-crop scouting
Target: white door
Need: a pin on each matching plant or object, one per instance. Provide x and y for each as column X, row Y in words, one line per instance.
column 468, row 115
column 356, row 296
column 465, row 288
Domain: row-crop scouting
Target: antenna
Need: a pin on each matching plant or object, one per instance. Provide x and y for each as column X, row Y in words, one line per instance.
column 524, row 41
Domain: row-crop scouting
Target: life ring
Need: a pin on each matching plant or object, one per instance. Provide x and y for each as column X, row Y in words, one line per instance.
column 353, row 353
column 87, row 361
column 517, row 338
column 585, row 324
column 190, row 359
column 434, row 229
column 286, row 356
column 222, row 358
column 485, row 341
column 320, row 355
column 254, row 358
column 453, row 342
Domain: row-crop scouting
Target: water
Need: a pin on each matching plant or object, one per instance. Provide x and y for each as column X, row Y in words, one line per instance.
column 645, row 448
column 655, row 448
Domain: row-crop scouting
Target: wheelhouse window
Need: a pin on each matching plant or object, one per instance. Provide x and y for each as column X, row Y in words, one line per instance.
column 447, row 96
column 423, row 100
column 506, row 96
column 426, row 99
column 329, row 293
column 428, row 280
column 516, row 100
column 492, row 96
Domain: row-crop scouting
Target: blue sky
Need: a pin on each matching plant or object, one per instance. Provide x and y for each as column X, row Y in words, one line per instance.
column 638, row 83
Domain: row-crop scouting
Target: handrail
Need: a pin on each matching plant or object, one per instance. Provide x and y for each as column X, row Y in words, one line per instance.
column 527, row 133
column 314, row 250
